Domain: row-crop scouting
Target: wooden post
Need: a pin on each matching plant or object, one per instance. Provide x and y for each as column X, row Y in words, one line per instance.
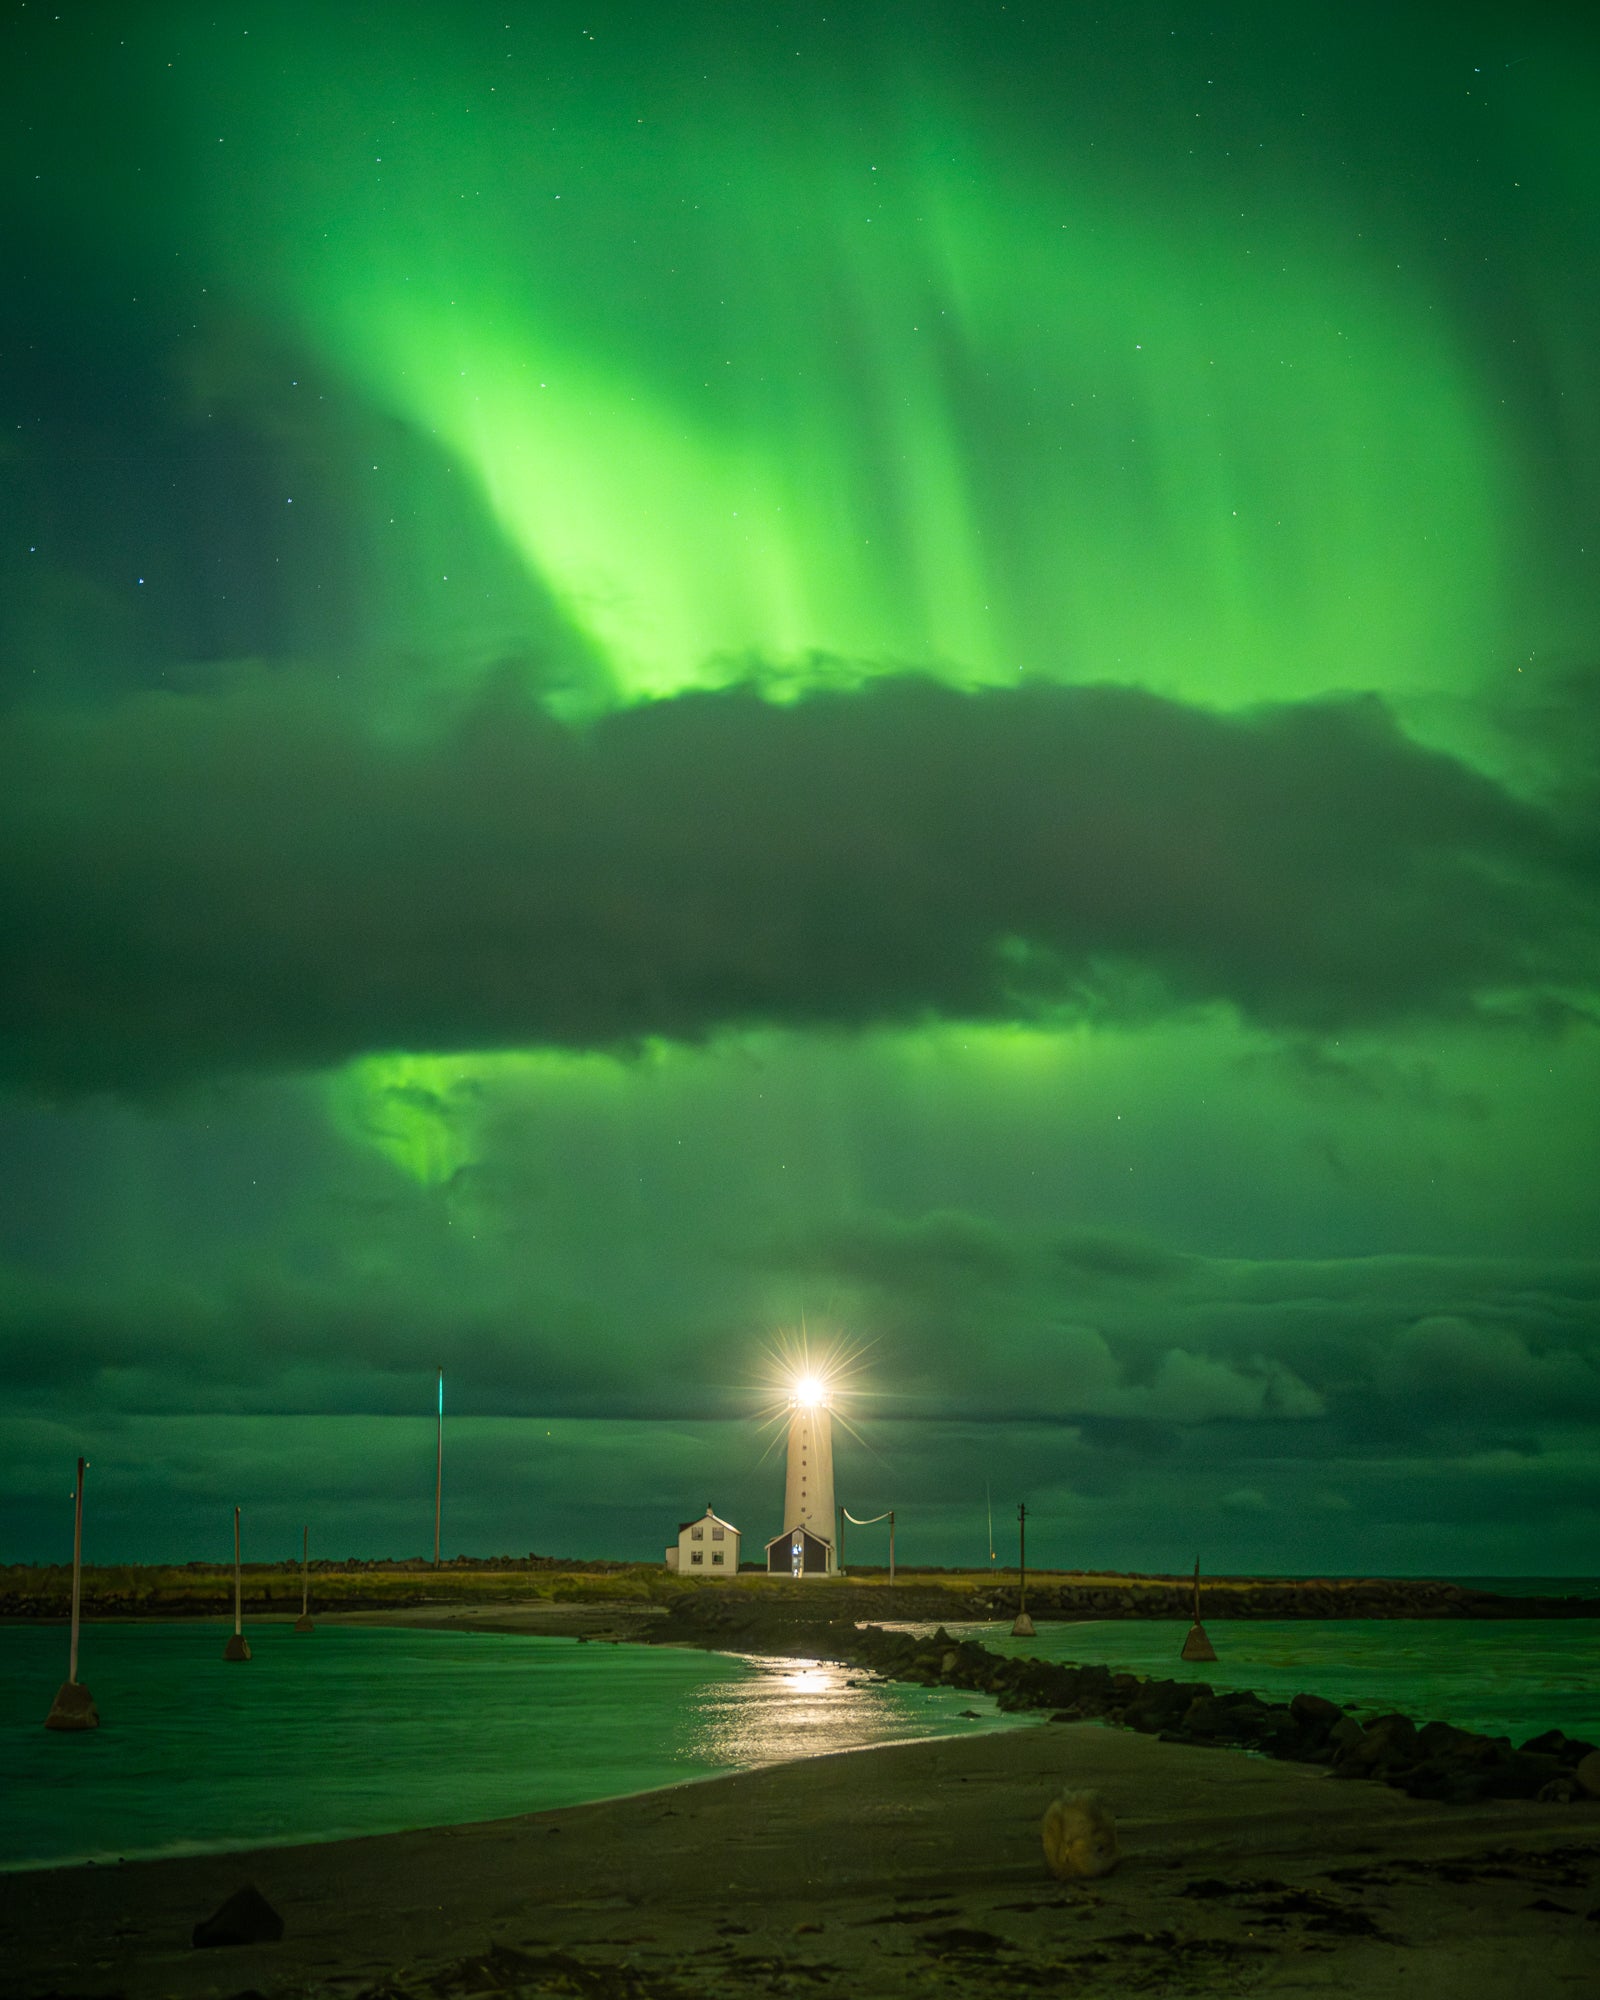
column 73, row 1707
column 237, row 1647
column 438, row 1482
column 77, row 1576
column 303, row 1622
column 891, row 1548
column 1023, row 1626
column 1197, row 1646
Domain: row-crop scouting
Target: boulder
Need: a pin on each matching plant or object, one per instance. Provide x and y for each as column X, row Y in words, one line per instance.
column 1080, row 1837
column 1388, row 1741
column 1588, row 1774
column 1315, row 1711
column 245, row 1918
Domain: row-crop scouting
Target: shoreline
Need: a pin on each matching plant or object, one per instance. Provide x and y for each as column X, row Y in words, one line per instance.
column 900, row 1869
column 1434, row 1760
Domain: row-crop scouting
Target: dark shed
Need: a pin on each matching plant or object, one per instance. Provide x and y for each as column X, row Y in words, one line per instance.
column 798, row 1552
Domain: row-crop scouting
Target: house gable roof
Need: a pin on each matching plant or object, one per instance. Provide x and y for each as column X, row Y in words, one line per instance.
column 700, row 1520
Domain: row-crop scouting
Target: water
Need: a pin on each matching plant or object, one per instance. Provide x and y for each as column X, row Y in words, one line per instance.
column 1514, row 1677
column 355, row 1730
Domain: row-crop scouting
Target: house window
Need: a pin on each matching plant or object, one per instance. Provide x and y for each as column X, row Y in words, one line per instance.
column 716, row 1555
column 697, row 1534
column 716, row 1534
column 696, row 1556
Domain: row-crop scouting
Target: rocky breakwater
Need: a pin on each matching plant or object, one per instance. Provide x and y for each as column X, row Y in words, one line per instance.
column 1248, row 1597
column 1431, row 1760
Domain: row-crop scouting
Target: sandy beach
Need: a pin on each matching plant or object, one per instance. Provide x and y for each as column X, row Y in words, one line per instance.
column 913, row 1869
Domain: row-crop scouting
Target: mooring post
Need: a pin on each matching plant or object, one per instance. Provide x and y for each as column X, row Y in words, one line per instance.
column 77, row 1576
column 1023, row 1626
column 73, row 1707
column 1197, row 1646
column 303, row 1622
column 237, row 1647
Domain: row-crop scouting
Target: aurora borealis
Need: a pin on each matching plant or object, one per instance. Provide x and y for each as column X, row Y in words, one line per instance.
column 933, row 667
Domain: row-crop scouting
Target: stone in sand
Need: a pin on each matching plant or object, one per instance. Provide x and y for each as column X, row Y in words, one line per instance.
column 237, row 1648
column 1080, row 1836
column 73, row 1708
column 1197, row 1646
column 245, row 1918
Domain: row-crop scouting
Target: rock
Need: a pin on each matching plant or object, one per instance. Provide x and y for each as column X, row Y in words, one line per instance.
column 1080, row 1837
column 245, row 1918
column 1444, row 1739
column 1588, row 1774
column 1388, row 1740
column 1312, row 1710
column 1560, row 1791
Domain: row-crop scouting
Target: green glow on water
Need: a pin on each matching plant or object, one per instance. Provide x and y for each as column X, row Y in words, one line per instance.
column 352, row 1731
column 1512, row 1677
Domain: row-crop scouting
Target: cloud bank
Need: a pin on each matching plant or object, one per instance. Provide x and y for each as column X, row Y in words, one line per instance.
column 255, row 880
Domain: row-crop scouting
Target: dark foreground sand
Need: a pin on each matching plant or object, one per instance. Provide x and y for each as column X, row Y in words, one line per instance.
column 914, row 1870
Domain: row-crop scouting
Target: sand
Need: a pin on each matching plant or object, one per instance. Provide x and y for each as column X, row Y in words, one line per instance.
column 909, row 1870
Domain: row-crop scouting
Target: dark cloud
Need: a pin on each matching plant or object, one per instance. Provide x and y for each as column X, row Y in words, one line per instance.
column 193, row 885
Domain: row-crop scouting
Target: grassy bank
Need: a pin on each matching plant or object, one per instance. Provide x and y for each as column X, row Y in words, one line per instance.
column 206, row 1590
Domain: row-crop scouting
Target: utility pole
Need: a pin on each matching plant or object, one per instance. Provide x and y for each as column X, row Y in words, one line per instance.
column 438, row 1481
column 1023, row 1628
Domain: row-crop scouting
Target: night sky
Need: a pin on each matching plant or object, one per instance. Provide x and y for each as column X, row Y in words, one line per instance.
column 931, row 667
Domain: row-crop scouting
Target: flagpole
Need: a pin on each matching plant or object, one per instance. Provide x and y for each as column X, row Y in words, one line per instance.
column 438, row 1481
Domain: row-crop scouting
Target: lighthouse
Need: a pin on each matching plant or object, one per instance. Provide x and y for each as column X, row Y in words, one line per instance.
column 806, row 1546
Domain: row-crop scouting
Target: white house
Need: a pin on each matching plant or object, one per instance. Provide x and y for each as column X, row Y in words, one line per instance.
column 707, row 1547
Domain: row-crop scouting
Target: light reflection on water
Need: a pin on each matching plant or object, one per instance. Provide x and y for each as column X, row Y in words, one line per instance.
column 1507, row 1677
column 363, row 1730
column 788, row 1709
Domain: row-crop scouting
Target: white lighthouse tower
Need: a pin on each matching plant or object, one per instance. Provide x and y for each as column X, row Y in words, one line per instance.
column 806, row 1546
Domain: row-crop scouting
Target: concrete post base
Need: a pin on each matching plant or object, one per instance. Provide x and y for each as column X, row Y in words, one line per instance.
column 1023, row 1628
column 1197, row 1646
column 237, row 1648
column 304, row 1625
column 73, row 1708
